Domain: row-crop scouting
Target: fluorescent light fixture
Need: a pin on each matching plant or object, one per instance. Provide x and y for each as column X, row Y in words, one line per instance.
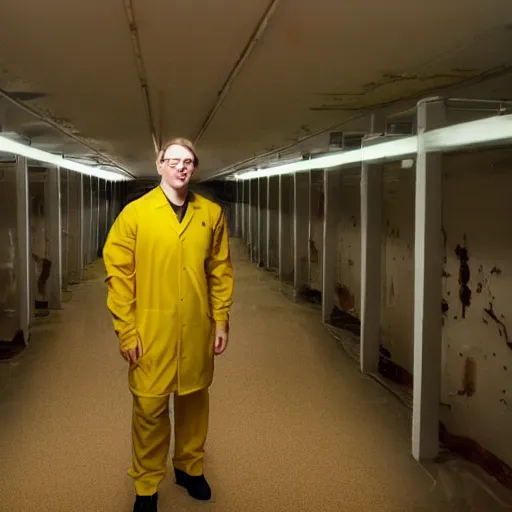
column 376, row 152
column 493, row 130
column 497, row 129
column 10, row 146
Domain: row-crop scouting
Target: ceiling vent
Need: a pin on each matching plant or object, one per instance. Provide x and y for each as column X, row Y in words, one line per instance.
column 345, row 140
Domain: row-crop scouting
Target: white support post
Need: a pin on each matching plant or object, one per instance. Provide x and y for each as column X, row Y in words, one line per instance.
column 81, row 262
column 250, row 237
column 371, row 229
column 107, row 209
column 24, row 251
column 55, row 288
column 301, row 190
column 280, row 234
column 260, row 223
column 237, row 209
column 427, row 287
column 92, row 182
column 97, row 220
column 310, row 216
column 243, row 210
column 74, row 228
column 267, row 234
column 332, row 183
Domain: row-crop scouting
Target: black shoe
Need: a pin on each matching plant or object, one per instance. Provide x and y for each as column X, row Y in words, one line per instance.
column 197, row 486
column 146, row 503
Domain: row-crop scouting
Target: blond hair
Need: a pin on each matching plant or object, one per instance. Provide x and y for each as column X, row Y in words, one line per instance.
column 181, row 141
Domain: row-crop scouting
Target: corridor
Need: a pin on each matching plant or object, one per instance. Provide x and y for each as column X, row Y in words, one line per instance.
column 294, row 426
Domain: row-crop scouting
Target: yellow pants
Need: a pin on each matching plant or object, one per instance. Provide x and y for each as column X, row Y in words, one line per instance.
column 151, row 436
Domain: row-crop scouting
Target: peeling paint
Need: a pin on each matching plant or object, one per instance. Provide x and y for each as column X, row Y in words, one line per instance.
column 469, row 378
column 464, row 276
column 502, row 327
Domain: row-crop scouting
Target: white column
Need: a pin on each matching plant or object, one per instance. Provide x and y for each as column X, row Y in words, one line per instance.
column 250, row 238
column 24, row 251
column 310, row 213
column 237, row 209
column 55, row 282
column 301, row 207
column 97, row 220
column 371, row 229
column 285, row 227
column 332, row 182
column 427, row 288
column 81, row 209
column 267, row 234
column 243, row 210
column 260, row 222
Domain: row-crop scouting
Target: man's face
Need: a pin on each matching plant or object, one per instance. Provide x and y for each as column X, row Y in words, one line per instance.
column 177, row 166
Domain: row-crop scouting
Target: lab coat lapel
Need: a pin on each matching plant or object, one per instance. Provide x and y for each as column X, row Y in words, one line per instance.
column 189, row 215
column 165, row 212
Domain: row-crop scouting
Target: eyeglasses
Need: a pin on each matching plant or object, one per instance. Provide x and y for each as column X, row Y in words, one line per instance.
column 174, row 162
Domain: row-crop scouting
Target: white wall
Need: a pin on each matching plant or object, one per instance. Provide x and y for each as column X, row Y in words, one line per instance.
column 477, row 211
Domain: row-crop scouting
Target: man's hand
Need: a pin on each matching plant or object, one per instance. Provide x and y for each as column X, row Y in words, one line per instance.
column 132, row 355
column 221, row 337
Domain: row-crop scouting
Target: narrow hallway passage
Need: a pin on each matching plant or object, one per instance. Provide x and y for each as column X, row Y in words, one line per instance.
column 294, row 425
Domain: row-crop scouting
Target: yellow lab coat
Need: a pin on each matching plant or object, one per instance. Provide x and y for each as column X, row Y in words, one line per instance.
column 168, row 283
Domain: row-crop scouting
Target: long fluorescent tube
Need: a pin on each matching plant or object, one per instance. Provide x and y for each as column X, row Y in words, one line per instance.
column 497, row 129
column 10, row 146
column 493, row 130
column 381, row 151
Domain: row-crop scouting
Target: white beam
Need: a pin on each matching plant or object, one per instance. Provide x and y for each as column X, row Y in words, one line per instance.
column 24, row 251
column 267, row 234
column 243, row 210
column 427, row 288
column 259, row 256
column 301, row 190
column 285, row 228
column 371, row 229
column 332, row 183
column 54, row 210
column 81, row 211
column 250, row 238
column 237, row 208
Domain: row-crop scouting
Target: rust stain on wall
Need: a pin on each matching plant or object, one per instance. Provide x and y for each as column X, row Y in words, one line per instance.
column 345, row 299
column 472, row 451
column 502, row 327
column 464, row 275
column 313, row 251
column 469, row 378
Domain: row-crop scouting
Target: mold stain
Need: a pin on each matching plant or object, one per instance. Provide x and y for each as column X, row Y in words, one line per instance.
column 464, row 276
column 469, row 378
column 501, row 326
column 313, row 251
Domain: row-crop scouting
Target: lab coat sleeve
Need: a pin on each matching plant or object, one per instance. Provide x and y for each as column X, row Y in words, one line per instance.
column 119, row 260
column 219, row 272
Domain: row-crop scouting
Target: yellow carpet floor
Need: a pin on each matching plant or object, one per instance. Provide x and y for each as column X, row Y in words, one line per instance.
column 294, row 425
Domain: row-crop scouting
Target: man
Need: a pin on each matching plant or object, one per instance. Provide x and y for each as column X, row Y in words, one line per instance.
column 170, row 284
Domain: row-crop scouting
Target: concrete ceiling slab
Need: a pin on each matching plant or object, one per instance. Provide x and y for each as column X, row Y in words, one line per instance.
column 318, row 64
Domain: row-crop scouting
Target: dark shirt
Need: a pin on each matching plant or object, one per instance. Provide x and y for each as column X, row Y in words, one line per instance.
column 180, row 211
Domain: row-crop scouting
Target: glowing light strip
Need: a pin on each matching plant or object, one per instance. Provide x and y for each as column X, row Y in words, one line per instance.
column 381, row 151
column 10, row 146
column 496, row 129
column 492, row 130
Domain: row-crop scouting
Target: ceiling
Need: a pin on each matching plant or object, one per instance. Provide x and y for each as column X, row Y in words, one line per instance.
column 314, row 66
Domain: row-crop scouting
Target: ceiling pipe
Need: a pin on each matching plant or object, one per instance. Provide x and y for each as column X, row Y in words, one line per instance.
column 54, row 124
column 384, row 109
column 141, row 71
column 255, row 37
